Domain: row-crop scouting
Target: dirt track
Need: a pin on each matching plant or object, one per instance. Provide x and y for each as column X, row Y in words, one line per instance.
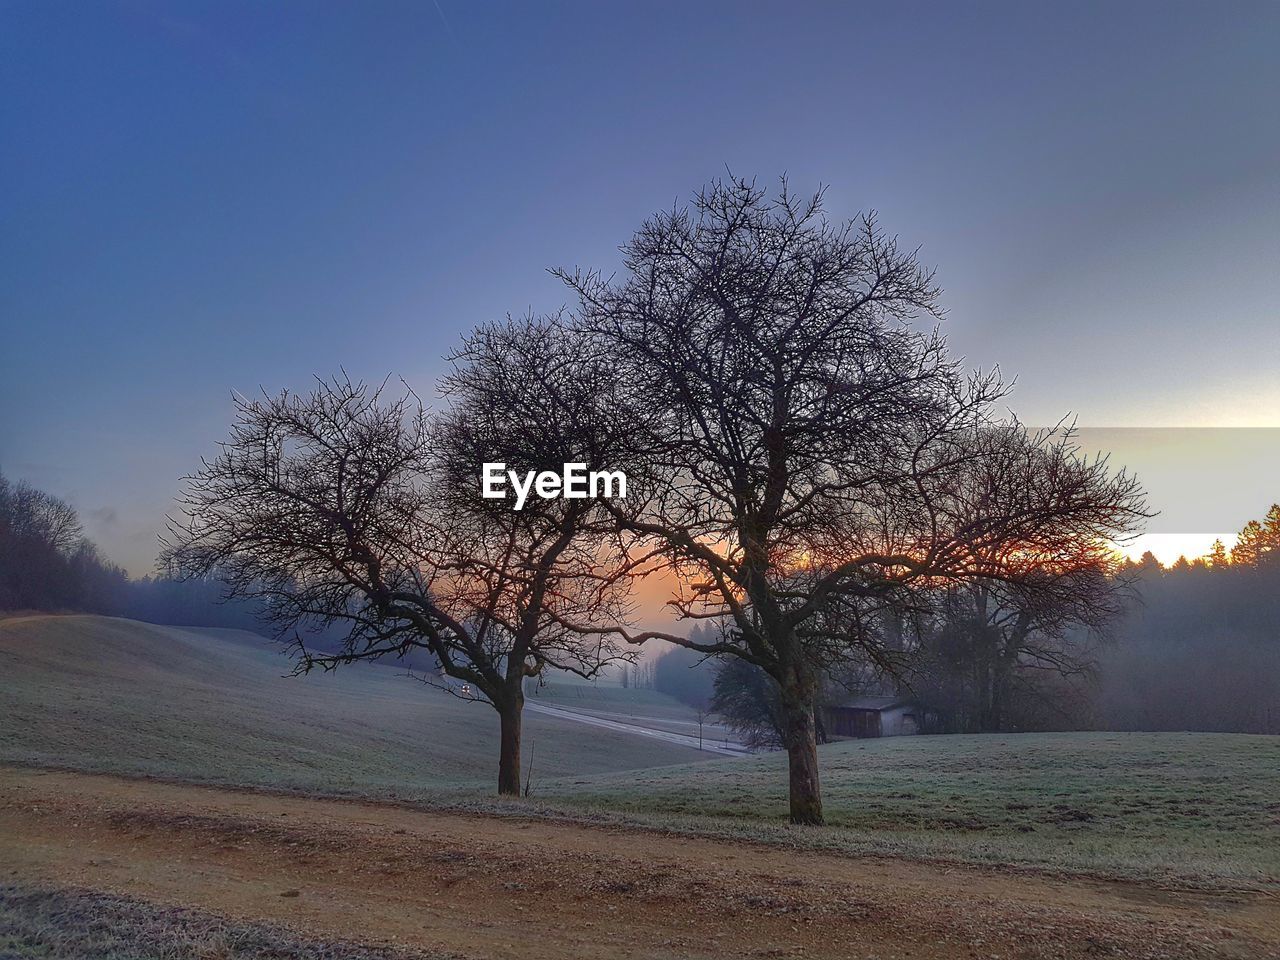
column 503, row 887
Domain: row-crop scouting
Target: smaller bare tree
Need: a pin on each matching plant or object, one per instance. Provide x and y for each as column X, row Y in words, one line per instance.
column 348, row 507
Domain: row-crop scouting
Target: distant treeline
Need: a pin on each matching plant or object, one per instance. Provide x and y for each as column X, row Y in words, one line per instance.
column 686, row 675
column 1195, row 646
column 48, row 564
column 1200, row 647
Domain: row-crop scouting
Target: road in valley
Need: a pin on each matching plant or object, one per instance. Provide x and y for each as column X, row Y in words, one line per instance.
column 715, row 738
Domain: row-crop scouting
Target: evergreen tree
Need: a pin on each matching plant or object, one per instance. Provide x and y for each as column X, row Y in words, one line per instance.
column 1269, row 547
column 1248, row 548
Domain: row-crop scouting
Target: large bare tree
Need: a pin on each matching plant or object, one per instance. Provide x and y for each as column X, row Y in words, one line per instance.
column 801, row 439
column 350, row 507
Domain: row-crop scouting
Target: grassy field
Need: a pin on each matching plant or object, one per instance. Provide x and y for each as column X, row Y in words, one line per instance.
column 1189, row 806
column 96, row 693
column 115, row 696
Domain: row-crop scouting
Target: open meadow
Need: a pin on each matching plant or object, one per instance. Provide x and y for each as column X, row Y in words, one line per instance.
column 218, row 706
column 212, row 706
column 369, row 827
column 1184, row 808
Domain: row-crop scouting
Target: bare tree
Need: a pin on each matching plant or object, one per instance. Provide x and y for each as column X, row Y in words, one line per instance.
column 801, row 441
column 1047, row 597
column 747, row 699
column 349, row 507
column 40, row 517
column 523, row 393
column 46, row 563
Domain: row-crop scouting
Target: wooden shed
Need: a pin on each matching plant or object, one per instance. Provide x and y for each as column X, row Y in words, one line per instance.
column 873, row 717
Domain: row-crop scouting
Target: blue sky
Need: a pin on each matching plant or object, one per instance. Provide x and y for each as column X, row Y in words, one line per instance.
column 207, row 197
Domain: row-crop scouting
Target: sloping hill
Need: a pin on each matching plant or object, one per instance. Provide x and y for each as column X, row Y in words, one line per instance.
column 104, row 694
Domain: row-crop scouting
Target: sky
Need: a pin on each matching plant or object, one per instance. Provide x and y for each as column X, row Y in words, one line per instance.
column 202, row 198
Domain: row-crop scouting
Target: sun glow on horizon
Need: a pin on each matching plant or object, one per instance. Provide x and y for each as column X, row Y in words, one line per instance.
column 1168, row 547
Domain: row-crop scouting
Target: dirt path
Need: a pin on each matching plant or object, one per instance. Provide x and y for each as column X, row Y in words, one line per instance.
column 501, row 887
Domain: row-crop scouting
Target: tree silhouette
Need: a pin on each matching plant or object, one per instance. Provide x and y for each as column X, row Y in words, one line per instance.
column 348, row 507
column 1249, row 545
column 801, row 441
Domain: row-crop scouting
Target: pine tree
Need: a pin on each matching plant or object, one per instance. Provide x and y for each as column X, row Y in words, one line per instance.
column 1269, row 548
column 1248, row 548
column 1149, row 565
column 1218, row 556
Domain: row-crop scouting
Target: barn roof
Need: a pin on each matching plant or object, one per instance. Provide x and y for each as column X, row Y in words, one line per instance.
column 873, row 703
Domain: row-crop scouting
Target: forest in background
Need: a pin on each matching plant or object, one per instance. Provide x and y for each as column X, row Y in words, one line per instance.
column 48, row 564
column 1196, row 646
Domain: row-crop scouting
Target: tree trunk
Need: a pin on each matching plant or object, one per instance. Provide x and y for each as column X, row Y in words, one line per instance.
column 802, row 750
column 985, row 692
column 510, row 714
column 995, row 709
